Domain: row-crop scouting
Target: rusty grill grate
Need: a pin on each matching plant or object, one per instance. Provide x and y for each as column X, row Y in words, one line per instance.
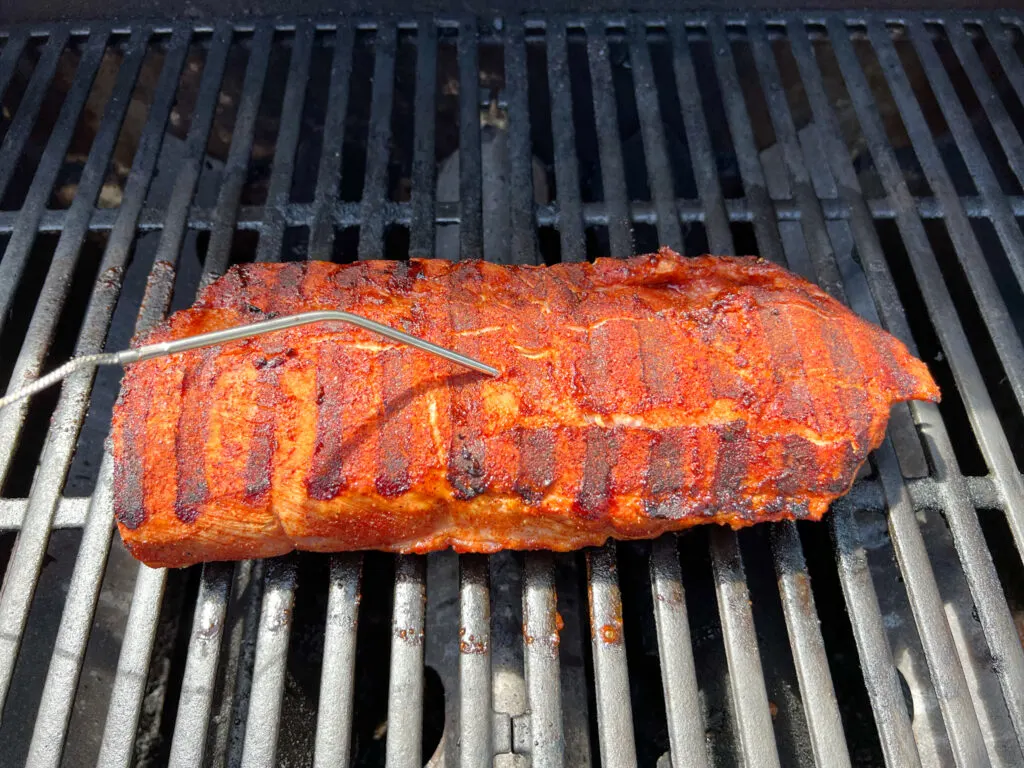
column 881, row 156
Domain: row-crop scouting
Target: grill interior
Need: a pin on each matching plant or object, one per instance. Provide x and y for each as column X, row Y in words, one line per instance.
column 879, row 156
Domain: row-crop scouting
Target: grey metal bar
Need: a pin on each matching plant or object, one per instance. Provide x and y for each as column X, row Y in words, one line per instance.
column 347, row 214
column 470, row 164
column 129, row 685
column 716, row 219
column 23, row 569
column 272, row 230
column 28, row 110
column 649, row 110
column 16, row 254
column 236, row 167
column 421, row 227
column 957, row 491
column 746, row 678
column 567, row 176
column 821, row 707
column 611, row 676
column 378, row 144
column 476, row 746
column 540, row 660
column 262, row 726
column 195, row 703
column 882, row 681
column 683, row 712
column 337, row 678
column 132, row 670
column 405, row 686
column 613, row 174
column 321, row 230
column 754, row 185
column 520, row 157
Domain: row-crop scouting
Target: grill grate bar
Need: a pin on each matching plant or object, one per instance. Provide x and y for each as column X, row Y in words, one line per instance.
column 132, row 670
column 749, row 699
column 262, row 723
column 570, row 212
column 321, row 231
column 129, row 684
column 611, row 676
column 540, row 660
column 651, row 126
column 470, row 164
column 880, row 676
column 21, row 127
column 346, row 214
column 613, row 174
column 960, row 514
column 994, row 108
column 421, row 228
column 476, row 746
column 405, row 686
column 820, row 705
column 272, row 230
column 378, row 142
column 195, row 704
column 16, row 254
column 683, row 712
column 520, row 159
column 236, row 166
column 337, row 681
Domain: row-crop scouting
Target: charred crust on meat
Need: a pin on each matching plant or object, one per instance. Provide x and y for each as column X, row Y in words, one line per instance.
column 129, row 495
column 466, row 472
column 594, row 495
column 190, row 436
column 536, row 463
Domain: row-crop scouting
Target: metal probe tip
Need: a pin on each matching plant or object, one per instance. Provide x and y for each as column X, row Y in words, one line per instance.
column 213, row 338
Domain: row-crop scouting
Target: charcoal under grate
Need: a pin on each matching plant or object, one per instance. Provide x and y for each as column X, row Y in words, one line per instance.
column 880, row 156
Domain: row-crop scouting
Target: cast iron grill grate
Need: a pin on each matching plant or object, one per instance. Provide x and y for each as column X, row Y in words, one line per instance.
column 880, row 156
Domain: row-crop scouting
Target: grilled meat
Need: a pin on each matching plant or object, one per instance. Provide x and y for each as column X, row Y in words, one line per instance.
column 636, row 397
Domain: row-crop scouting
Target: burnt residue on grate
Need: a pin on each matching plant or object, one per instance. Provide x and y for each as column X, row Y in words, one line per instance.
column 881, row 156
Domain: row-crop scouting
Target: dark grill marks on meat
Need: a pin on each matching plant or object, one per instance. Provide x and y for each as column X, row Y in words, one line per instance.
column 665, row 473
column 190, row 438
column 259, row 462
column 536, row 463
column 595, row 488
column 466, row 471
column 392, row 477
column 129, row 498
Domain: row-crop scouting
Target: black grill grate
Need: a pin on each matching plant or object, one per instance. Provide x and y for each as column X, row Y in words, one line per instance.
column 879, row 156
